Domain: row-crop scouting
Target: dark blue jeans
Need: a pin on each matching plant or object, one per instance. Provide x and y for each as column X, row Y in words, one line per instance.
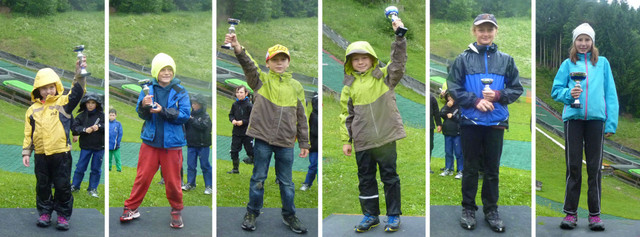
column 313, row 168
column 96, row 168
column 193, row 154
column 284, row 161
column 452, row 146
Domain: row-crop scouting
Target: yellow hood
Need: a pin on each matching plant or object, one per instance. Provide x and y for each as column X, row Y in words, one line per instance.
column 45, row 77
column 160, row 61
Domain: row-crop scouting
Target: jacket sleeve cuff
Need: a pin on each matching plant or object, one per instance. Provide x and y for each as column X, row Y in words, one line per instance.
column 26, row 152
column 496, row 98
column 475, row 103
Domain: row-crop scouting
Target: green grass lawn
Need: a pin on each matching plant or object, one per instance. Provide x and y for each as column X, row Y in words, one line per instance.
column 19, row 191
column 449, row 39
column 628, row 129
column 185, row 36
column 233, row 189
column 223, row 106
column 340, row 181
column 300, row 35
column 120, row 184
column 50, row 39
column 356, row 22
column 12, row 120
column 515, row 187
column 618, row 198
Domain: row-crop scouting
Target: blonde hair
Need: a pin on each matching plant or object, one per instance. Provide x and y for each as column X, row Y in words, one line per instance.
column 573, row 54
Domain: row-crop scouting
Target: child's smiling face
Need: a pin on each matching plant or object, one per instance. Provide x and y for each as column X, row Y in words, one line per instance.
column 165, row 76
column 583, row 43
column 241, row 93
column 485, row 33
column 278, row 63
column 361, row 62
column 47, row 90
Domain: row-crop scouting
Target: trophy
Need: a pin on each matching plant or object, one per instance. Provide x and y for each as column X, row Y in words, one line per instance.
column 577, row 77
column 145, row 87
column 391, row 12
column 487, row 83
column 82, row 59
column 232, row 29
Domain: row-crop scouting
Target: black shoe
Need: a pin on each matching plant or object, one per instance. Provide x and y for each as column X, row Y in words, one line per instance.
column 294, row 224
column 249, row 222
column 493, row 218
column 248, row 160
column 468, row 219
column 233, row 171
column 367, row 223
column 393, row 223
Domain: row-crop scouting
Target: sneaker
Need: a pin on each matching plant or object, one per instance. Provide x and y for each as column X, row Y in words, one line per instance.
column 248, row 160
column 595, row 223
column 294, row 224
column 63, row 223
column 176, row 219
column 493, row 218
column 161, row 181
column 393, row 224
column 459, row 175
column 44, row 220
column 446, row 172
column 93, row 193
column 233, row 171
column 305, row 187
column 129, row 214
column 208, row 190
column 367, row 223
column 569, row 222
column 74, row 189
column 188, row 187
column 468, row 219
column 249, row 222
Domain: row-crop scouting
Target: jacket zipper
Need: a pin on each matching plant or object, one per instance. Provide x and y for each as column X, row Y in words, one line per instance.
column 586, row 103
column 486, row 62
column 373, row 120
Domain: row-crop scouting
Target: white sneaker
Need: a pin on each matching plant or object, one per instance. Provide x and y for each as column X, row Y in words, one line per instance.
column 459, row 175
column 446, row 172
column 208, row 190
column 93, row 193
column 304, row 187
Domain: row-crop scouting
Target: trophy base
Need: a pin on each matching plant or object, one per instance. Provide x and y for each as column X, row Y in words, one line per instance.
column 401, row 31
column 226, row 46
column 576, row 106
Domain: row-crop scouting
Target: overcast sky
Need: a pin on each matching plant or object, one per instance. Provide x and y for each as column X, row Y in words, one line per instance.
column 633, row 3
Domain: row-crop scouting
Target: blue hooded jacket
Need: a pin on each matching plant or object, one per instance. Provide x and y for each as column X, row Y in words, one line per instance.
column 170, row 120
column 115, row 134
column 599, row 98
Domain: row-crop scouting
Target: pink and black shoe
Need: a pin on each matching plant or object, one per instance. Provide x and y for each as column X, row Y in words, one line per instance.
column 63, row 223
column 569, row 222
column 44, row 220
column 595, row 223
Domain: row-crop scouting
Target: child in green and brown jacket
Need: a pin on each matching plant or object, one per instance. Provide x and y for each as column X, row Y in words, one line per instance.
column 372, row 123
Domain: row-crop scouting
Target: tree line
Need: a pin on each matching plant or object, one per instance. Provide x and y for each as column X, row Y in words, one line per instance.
column 49, row 7
column 463, row 10
column 264, row 10
column 617, row 38
column 157, row 6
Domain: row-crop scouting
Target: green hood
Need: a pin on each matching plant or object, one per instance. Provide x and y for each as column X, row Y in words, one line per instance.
column 361, row 47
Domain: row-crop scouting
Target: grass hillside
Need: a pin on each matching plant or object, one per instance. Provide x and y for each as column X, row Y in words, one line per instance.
column 449, row 39
column 50, row 39
column 356, row 22
column 618, row 198
column 185, row 36
column 628, row 129
column 300, row 35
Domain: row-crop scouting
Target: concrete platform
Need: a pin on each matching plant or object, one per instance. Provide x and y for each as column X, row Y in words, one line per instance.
column 154, row 221
column 22, row 222
column 445, row 221
column 343, row 225
column 550, row 226
column 269, row 223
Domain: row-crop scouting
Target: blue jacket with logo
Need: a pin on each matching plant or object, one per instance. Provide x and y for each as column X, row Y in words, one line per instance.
column 465, row 85
column 599, row 98
column 115, row 134
column 172, row 117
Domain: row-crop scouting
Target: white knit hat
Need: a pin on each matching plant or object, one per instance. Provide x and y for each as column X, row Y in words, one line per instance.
column 586, row 29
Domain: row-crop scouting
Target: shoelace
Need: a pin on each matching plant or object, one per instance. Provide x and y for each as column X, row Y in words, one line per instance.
column 62, row 220
column 392, row 219
column 571, row 218
column 594, row 219
column 365, row 219
column 45, row 217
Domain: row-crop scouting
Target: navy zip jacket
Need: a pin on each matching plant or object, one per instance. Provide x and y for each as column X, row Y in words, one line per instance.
column 464, row 84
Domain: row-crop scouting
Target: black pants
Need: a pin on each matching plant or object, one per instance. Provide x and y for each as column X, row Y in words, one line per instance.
column 53, row 169
column 591, row 132
column 481, row 147
column 236, row 146
column 368, row 162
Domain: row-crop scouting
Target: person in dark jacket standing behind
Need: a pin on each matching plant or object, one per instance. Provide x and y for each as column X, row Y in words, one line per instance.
column 89, row 125
column 313, row 151
column 198, row 129
column 239, row 117
column 434, row 121
column 450, row 114
column 483, row 81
